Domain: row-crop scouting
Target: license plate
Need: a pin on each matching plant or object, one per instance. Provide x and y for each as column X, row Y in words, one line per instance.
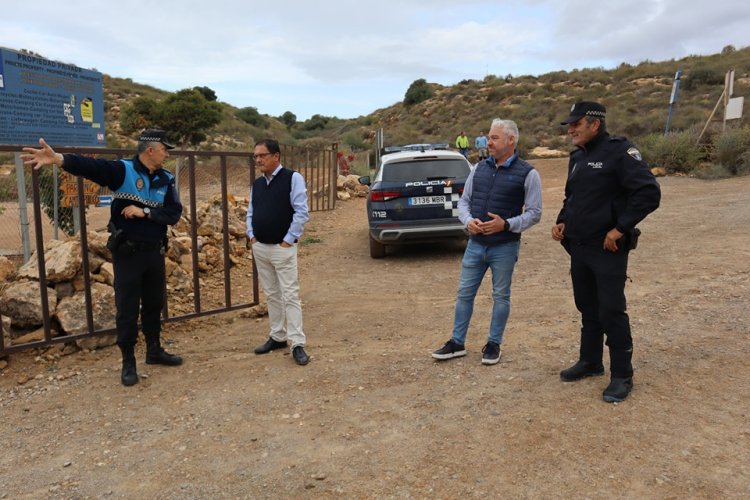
column 426, row 200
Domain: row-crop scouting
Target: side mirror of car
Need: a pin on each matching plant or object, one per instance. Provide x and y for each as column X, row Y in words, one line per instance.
column 364, row 180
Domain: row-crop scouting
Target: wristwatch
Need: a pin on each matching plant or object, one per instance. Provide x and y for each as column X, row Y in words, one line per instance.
column 146, row 212
column 507, row 226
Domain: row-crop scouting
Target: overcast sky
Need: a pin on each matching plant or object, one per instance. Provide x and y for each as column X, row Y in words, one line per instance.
column 347, row 59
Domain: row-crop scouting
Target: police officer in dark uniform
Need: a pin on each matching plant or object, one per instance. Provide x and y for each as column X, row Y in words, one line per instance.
column 609, row 190
column 145, row 202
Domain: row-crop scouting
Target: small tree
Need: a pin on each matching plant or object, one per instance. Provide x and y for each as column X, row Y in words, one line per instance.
column 315, row 122
column 289, row 119
column 186, row 115
column 138, row 115
column 418, row 91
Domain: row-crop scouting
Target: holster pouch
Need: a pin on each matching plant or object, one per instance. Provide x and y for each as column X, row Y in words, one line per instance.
column 633, row 238
column 116, row 237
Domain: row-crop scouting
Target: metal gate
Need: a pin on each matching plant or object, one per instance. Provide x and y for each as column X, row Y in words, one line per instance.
column 214, row 177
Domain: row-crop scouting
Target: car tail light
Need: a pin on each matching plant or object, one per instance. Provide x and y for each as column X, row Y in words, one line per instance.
column 460, row 190
column 384, row 195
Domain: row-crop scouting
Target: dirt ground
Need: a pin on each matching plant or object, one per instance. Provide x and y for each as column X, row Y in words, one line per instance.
column 374, row 416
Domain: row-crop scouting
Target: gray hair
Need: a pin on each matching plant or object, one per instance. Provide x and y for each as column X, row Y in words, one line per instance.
column 509, row 126
column 144, row 145
column 592, row 119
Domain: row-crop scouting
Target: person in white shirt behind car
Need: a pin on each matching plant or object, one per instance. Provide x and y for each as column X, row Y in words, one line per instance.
column 502, row 198
column 481, row 144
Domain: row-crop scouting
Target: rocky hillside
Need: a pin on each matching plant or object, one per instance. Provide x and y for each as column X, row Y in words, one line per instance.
column 637, row 97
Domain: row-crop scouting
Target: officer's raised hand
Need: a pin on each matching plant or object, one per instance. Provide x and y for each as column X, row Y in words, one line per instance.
column 38, row 158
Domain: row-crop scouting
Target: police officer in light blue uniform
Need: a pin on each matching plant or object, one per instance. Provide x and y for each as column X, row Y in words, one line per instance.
column 609, row 190
column 145, row 202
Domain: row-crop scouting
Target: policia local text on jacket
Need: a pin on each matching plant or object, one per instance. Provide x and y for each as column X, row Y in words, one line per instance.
column 144, row 204
column 609, row 187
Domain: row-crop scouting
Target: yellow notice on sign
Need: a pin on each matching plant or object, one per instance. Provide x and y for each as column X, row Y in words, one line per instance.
column 87, row 110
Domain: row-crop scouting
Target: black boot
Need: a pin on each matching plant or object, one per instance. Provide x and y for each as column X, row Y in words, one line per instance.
column 581, row 369
column 618, row 389
column 620, row 364
column 129, row 373
column 156, row 355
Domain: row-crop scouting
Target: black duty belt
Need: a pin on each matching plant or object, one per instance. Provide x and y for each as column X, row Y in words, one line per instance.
column 586, row 243
column 143, row 246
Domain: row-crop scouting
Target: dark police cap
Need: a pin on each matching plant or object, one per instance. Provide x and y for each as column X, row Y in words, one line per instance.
column 584, row 108
column 155, row 135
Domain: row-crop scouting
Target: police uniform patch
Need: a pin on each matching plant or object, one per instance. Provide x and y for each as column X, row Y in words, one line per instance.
column 635, row 153
column 139, row 181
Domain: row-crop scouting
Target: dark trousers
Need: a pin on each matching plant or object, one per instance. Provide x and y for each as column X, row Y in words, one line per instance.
column 139, row 283
column 599, row 291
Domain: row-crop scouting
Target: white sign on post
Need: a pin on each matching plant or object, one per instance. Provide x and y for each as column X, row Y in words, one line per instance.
column 733, row 110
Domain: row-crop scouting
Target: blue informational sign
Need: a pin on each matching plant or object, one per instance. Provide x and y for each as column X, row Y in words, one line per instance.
column 58, row 101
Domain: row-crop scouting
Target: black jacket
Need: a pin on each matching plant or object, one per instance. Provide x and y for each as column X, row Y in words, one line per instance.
column 609, row 186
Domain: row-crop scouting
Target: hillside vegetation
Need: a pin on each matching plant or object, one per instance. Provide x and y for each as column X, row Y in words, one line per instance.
column 636, row 96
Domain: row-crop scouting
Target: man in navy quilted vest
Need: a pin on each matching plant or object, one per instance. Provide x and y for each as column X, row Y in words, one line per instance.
column 145, row 202
column 502, row 198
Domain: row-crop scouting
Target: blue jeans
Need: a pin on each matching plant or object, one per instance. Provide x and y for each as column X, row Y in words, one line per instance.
column 477, row 258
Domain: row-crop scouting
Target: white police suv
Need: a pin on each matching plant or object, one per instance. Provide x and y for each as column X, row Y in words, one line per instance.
column 414, row 196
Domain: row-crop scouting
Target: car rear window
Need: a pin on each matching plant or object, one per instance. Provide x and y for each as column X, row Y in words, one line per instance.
column 423, row 170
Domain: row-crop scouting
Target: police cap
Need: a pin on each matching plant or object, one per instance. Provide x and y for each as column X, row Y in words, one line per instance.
column 155, row 135
column 584, row 108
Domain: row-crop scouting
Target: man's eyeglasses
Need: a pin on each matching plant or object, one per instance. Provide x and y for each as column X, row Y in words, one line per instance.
column 261, row 155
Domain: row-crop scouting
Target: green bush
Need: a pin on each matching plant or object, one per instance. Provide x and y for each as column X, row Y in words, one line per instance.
column 731, row 150
column 418, row 91
column 251, row 116
column 675, row 152
column 9, row 187
column 354, row 141
column 711, row 171
column 702, row 75
column 315, row 122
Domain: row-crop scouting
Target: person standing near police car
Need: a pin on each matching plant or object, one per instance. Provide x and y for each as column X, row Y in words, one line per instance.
column 609, row 190
column 481, row 144
column 502, row 198
column 276, row 216
column 462, row 144
column 144, row 203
